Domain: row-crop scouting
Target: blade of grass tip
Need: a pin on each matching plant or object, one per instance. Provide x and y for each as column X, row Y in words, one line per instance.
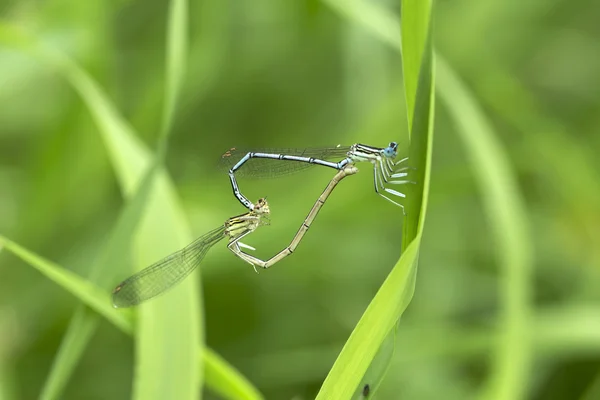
column 221, row 377
column 504, row 206
column 506, row 211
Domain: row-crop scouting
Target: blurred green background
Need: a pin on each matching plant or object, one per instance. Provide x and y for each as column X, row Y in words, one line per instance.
column 298, row 74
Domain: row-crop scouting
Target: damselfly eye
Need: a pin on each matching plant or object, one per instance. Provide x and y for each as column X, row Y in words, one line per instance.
column 391, row 150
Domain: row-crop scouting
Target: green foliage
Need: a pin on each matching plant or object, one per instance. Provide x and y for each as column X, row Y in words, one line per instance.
column 379, row 320
column 89, row 87
column 506, row 213
column 91, row 295
column 219, row 375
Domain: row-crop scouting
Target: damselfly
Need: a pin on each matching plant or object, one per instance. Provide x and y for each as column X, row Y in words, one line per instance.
column 166, row 273
column 269, row 163
column 344, row 172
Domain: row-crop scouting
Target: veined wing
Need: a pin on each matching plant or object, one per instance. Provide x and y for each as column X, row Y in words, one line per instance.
column 270, row 168
column 166, row 273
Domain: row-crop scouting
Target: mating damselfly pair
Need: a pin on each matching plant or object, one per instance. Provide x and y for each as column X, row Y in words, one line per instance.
column 166, row 273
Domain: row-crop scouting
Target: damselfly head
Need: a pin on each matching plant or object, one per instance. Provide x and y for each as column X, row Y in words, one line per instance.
column 391, row 150
column 261, row 206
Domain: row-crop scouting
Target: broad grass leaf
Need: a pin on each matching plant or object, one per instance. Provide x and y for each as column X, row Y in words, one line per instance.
column 502, row 199
column 351, row 370
column 220, row 376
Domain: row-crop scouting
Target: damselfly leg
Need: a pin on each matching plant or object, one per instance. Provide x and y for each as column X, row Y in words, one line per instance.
column 235, row 245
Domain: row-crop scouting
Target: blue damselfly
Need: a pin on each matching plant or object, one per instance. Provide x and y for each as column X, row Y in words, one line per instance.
column 276, row 162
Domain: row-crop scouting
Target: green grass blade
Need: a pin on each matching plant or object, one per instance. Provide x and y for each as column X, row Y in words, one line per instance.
column 162, row 231
column 374, row 19
column 504, row 205
column 354, row 366
column 81, row 328
column 131, row 158
column 227, row 382
column 84, row 322
column 557, row 333
column 421, row 128
column 415, row 28
column 374, row 326
column 85, row 291
column 177, row 44
column 378, row 368
column 161, row 325
column 220, row 376
column 506, row 212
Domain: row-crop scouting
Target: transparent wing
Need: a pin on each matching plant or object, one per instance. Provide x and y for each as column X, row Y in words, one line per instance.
column 166, row 273
column 269, row 168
